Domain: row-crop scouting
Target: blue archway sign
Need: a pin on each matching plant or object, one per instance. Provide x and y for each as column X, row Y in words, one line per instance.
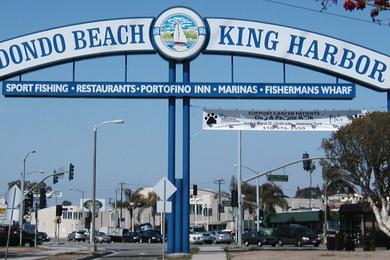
column 179, row 34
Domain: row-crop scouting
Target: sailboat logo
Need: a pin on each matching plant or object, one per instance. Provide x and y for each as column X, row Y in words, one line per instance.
column 179, row 33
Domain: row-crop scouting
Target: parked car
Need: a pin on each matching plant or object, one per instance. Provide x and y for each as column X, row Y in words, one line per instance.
column 207, row 238
column 77, row 236
column 131, row 237
column 101, row 237
column 150, row 236
column 44, row 236
column 295, row 234
column 145, row 226
column 27, row 238
column 196, row 238
column 221, row 237
column 258, row 238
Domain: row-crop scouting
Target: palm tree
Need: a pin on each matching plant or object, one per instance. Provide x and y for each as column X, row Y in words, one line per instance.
column 134, row 200
column 271, row 196
column 151, row 201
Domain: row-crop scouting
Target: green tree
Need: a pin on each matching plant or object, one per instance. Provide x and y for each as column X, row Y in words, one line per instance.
column 66, row 203
column 134, row 200
column 151, row 202
column 308, row 192
column 333, row 182
column 360, row 153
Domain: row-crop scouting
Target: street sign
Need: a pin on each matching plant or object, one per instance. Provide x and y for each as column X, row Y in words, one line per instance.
column 54, row 194
column 277, row 177
column 160, row 206
column 227, row 203
column 9, row 196
column 164, row 184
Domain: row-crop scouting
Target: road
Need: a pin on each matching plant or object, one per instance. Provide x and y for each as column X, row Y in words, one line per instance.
column 76, row 250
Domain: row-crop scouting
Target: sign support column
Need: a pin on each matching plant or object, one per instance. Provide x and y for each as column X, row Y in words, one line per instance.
column 186, row 162
column 171, row 156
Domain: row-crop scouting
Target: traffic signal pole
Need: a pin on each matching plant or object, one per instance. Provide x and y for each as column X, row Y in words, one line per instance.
column 260, row 174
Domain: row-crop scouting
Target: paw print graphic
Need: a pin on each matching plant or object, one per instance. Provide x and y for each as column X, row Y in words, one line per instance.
column 211, row 119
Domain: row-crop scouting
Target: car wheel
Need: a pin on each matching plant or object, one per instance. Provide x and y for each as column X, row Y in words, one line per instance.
column 246, row 243
column 31, row 243
column 299, row 243
column 273, row 245
column 280, row 243
column 149, row 240
column 259, row 244
column 74, row 239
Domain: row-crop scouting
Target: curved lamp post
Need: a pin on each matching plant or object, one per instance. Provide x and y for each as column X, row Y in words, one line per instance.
column 82, row 197
column 92, row 238
column 21, row 207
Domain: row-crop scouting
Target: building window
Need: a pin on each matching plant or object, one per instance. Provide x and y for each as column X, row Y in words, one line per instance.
column 69, row 215
column 64, row 215
column 209, row 212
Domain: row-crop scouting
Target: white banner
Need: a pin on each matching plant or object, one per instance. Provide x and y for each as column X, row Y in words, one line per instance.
column 262, row 120
column 75, row 41
column 299, row 46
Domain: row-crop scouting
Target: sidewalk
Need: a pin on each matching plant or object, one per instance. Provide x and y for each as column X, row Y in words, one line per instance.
column 210, row 253
column 40, row 252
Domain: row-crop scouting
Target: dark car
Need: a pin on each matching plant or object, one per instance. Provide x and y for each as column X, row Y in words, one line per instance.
column 297, row 235
column 14, row 240
column 42, row 236
column 150, row 236
column 207, row 238
column 132, row 237
column 258, row 238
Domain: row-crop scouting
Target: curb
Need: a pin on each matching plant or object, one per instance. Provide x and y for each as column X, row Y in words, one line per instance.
column 93, row 256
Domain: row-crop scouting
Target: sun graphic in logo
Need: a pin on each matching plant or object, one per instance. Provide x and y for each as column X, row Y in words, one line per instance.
column 179, row 33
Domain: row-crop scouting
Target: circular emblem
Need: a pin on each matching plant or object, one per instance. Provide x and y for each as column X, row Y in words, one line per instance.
column 179, row 33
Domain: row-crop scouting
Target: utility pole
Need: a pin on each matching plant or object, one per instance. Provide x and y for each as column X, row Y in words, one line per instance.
column 219, row 182
column 120, row 216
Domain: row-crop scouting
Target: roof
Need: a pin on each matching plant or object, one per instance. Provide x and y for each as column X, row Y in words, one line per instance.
column 298, row 216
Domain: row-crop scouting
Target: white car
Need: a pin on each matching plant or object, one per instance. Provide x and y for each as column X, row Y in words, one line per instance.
column 196, row 238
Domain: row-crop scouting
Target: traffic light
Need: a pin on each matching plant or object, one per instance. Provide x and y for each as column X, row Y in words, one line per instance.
column 234, row 198
column 58, row 210
column 195, row 190
column 42, row 198
column 55, row 179
column 28, row 203
column 306, row 163
column 71, row 171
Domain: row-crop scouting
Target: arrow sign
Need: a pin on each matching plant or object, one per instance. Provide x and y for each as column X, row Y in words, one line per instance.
column 164, row 185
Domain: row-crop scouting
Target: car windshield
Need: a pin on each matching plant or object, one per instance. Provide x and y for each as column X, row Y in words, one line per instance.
column 198, row 229
column 304, row 231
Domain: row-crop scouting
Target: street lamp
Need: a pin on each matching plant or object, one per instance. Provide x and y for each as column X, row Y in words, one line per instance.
column 82, row 197
column 21, row 207
column 92, row 238
column 257, row 196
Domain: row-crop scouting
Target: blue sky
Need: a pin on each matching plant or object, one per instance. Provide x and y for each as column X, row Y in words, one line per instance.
column 61, row 130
